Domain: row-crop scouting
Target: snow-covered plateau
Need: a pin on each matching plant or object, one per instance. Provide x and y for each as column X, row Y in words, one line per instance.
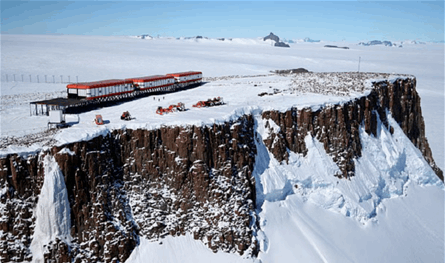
column 123, row 197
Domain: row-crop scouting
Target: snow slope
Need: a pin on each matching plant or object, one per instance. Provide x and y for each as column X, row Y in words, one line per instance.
column 407, row 231
column 180, row 249
column 373, row 216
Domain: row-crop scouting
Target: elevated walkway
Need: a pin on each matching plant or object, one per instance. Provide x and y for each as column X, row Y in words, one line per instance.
column 44, row 106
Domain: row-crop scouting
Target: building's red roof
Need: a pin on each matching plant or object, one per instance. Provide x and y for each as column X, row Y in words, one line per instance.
column 150, row 78
column 98, row 84
column 182, row 74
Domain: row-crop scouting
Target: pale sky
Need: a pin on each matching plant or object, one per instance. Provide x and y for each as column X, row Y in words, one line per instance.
column 325, row 20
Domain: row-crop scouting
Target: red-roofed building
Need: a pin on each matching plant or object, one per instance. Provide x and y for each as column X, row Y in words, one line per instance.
column 153, row 82
column 99, row 89
column 189, row 77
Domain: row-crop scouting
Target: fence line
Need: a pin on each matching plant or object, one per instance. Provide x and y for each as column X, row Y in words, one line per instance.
column 48, row 78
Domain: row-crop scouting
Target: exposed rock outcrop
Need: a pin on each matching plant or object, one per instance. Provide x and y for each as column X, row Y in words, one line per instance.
column 275, row 38
column 337, row 126
column 377, row 42
column 333, row 46
column 20, row 182
column 291, row 71
column 271, row 36
column 281, row 44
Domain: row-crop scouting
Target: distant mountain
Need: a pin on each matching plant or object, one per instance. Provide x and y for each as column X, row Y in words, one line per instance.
column 194, row 37
column 145, row 37
column 303, row 40
column 414, row 42
column 275, row 38
column 391, row 44
column 377, row 42
column 311, row 40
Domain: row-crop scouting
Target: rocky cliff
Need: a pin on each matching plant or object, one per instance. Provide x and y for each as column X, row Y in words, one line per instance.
column 135, row 183
column 177, row 180
column 337, row 126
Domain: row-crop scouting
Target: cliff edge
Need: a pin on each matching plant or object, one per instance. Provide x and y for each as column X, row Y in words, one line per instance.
column 203, row 179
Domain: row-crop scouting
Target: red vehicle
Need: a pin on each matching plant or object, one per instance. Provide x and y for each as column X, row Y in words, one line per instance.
column 209, row 103
column 172, row 108
column 126, row 116
column 98, row 120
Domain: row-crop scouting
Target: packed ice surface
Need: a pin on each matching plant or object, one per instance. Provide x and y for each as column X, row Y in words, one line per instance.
column 52, row 212
column 391, row 211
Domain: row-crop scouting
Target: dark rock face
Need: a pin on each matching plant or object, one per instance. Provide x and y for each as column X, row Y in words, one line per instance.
column 292, row 71
column 332, row 126
column 196, row 180
column 272, row 37
column 20, row 182
column 169, row 181
column 101, row 221
column 276, row 39
column 281, row 44
column 377, row 42
column 332, row 46
column 337, row 126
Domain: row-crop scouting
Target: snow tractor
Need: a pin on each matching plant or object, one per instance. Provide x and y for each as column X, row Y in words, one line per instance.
column 180, row 107
column 172, row 108
column 126, row 116
column 209, row 103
